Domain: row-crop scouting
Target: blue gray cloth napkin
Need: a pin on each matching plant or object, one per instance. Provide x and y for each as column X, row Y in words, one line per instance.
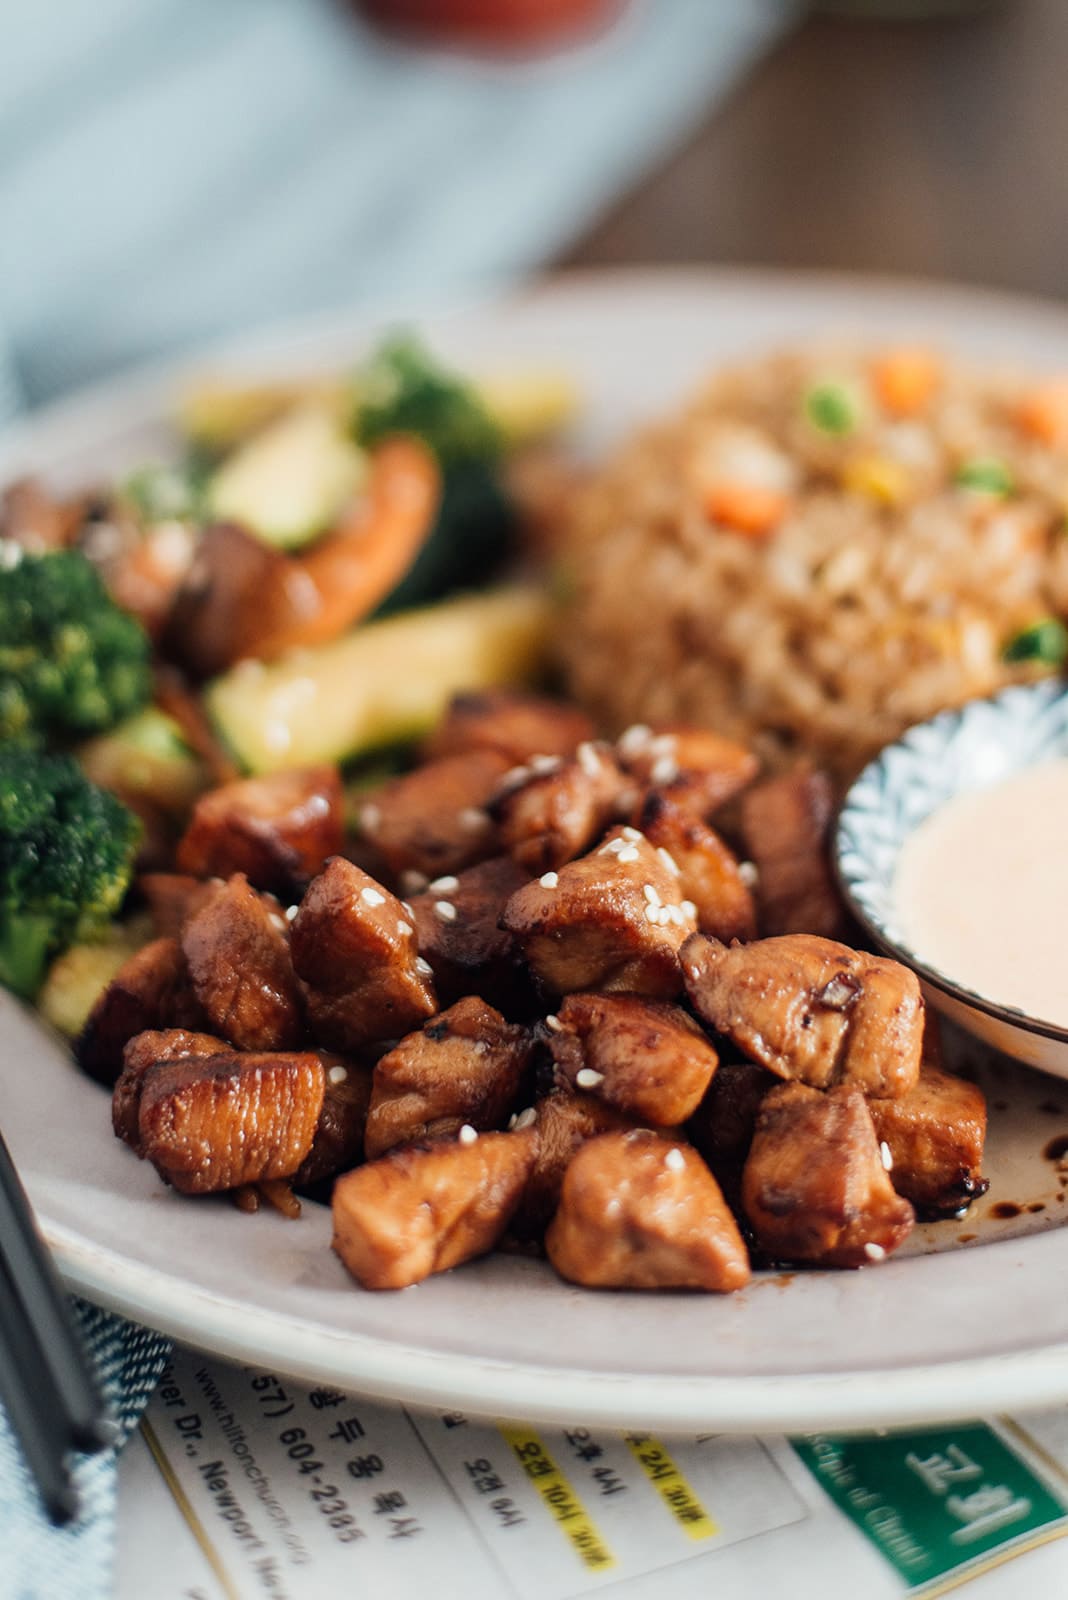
column 38, row 1561
column 174, row 169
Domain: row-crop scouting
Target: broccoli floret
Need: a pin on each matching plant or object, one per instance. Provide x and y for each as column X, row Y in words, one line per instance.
column 403, row 390
column 71, row 663
column 66, row 855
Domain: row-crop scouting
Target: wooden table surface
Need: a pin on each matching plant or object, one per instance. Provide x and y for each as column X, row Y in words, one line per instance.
column 938, row 148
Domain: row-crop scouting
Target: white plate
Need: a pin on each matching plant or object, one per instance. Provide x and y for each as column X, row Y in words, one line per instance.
column 980, row 1327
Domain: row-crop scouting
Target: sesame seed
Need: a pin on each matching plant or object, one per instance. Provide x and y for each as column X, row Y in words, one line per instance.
column 549, row 880
column 291, row 912
column 675, row 1159
column 473, row 819
column 541, row 765
column 688, row 909
column 445, row 910
column 514, row 776
column 886, row 1155
column 467, row 1134
column 665, row 744
column 588, row 759
column 338, row 1074
column 635, row 835
column 423, row 967
column 277, row 921
column 693, row 972
column 370, row 817
column 612, row 847
column 650, row 894
column 874, row 1252
column 444, row 885
column 553, row 1023
column 652, row 914
column 371, row 897
column 634, row 738
column 669, row 861
column 749, row 873
column 628, row 854
column 404, row 928
column 525, row 1119
column 413, row 882
column 406, row 908
column 588, row 1078
column 665, row 769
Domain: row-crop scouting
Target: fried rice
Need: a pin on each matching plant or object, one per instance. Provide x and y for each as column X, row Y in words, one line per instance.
column 825, row 546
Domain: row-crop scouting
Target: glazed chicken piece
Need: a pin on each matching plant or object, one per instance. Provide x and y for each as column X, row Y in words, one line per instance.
column 723, row 1125
column 241, row 970
column 143, row 1052
column 463, row 1066
column 338, row 1141
column 810, row 1009
column 550, row 810
column 562, row 1121
column 786, row 824
column 708, row 872
column 172, row 897
column 151, row 990
column 434, row 820
column 517, row 726
column 644, row 1057
column 614, row 919
column 935, row 1135
column 354, row 945
column 815, row 1188
column 424, row 1209
column 34, row 519
column 209, row 1123
column 693, row 767
column 468, row 951
column 639, row 1212
column 278, row 830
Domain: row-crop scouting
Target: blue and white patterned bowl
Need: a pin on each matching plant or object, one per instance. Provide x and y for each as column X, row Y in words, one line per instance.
column 970, row 748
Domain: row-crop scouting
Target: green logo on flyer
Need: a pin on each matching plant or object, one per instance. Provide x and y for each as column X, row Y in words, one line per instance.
column 935, row 1500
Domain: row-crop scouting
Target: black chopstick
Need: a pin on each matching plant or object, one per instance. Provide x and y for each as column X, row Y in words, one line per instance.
column 51, row 1395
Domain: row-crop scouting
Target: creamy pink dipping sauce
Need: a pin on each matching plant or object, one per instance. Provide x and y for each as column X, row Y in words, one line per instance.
column 981, row 891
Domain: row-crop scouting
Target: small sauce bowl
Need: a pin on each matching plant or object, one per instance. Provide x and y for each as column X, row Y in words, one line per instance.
column 981, row 743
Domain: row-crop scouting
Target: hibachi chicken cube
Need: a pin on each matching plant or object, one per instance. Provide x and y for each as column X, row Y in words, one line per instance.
column 464, row 1066
column 694, row 767
column 811, row 1009
column 550, row 810
column 434, row 820
column 638, row 1211
column 645, row 1057
column 614, row 919
column 562, row 1121
column 426, row 1208
column 209, row 1123
column 150, row 990
column 786, row 823
column 354, row 945
column 709, row 874
column 457, row 926
column 934, row 1136
column 241, row 970
column 517, row 726
column 278, row 830
column 815, row 1187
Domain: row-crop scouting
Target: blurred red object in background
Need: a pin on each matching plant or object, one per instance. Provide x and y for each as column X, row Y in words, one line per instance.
column 493, row 24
